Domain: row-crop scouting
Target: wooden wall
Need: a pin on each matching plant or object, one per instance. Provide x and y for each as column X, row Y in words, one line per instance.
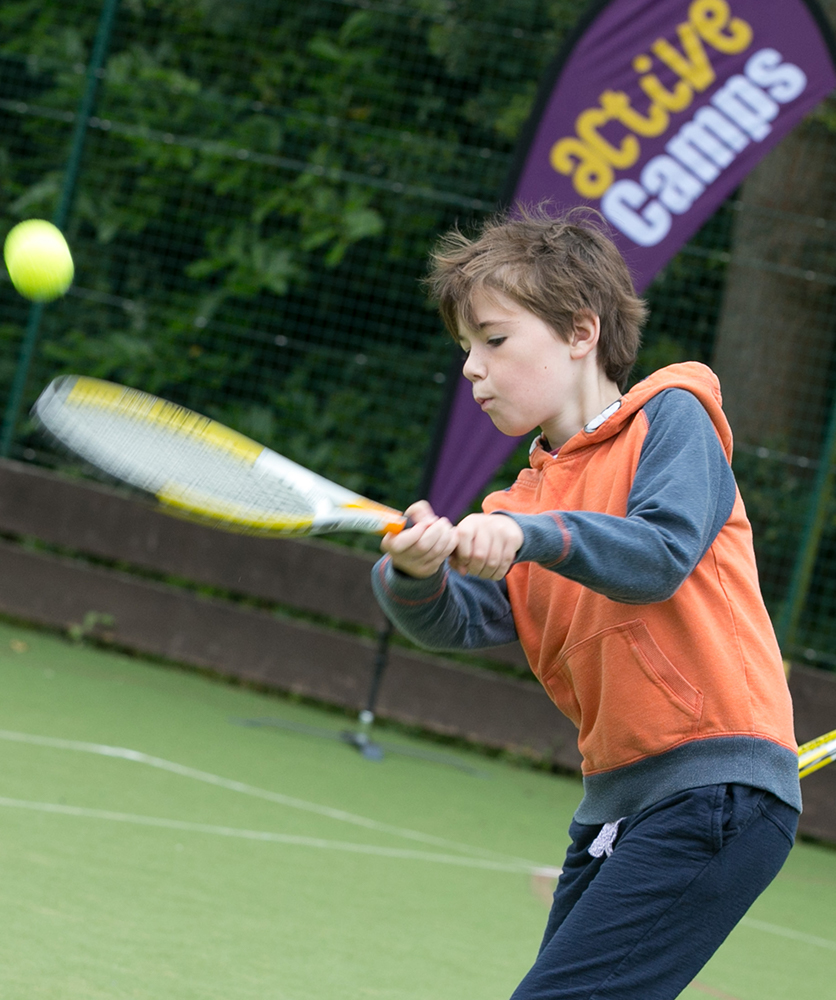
column 231, row 603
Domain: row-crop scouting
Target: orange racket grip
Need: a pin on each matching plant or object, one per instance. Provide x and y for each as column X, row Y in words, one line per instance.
column 399, row 526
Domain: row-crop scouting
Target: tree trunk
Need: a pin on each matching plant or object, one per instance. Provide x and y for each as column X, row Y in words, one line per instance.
column 774, row 346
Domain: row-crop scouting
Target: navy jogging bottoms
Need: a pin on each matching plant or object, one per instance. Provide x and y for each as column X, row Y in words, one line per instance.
column 638, row 917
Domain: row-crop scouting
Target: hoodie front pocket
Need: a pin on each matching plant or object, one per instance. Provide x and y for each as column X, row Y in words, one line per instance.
column 626, row 697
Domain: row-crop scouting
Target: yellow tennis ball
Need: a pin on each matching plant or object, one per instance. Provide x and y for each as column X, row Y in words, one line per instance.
column 38, row 260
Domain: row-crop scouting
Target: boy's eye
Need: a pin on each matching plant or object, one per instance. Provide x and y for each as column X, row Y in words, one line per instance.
column 496, row 341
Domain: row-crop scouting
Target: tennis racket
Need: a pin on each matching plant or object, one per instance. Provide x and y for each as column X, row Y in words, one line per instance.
column 816, row 753
column 197, row 467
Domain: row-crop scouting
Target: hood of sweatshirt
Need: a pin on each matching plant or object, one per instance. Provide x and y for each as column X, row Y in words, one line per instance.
column 690, row 375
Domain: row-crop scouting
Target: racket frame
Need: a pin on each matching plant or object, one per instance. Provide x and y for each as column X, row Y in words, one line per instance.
column 816, row 754
column 334, row 508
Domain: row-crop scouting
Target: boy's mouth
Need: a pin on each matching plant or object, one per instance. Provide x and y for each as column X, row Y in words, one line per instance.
column 482, row 400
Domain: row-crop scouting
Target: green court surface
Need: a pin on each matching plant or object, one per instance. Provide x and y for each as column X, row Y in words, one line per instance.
column 153, row 848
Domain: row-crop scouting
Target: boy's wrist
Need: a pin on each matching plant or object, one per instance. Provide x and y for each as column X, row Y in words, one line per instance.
column 404, row 581
column 519, row 520
column 545, row 538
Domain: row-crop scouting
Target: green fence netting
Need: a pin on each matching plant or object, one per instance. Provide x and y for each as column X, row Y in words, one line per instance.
column 250, row 188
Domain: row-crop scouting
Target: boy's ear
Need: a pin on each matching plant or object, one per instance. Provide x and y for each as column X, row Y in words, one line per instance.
column 586, row 332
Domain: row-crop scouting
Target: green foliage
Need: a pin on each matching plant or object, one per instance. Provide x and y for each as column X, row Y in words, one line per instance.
column 776, row 494
column 94, row 626
column 259, row 189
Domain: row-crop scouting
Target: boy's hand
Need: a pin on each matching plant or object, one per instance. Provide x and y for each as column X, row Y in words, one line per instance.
column 419, row 551
column 487, row 545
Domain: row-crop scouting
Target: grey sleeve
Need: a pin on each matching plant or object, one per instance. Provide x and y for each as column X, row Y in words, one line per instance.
column 682, row 495
column 445, row 611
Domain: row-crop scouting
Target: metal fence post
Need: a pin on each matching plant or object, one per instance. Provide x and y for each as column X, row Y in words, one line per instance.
column 85, row 110
column 802, row 573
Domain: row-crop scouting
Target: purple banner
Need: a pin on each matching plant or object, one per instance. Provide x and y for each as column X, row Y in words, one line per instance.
column 655, row 114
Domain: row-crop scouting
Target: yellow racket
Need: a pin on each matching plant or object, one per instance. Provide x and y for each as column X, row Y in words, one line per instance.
column 196, row 466
column 816, row 753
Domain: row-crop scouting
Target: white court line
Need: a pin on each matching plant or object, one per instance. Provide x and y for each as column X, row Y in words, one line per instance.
column 760, row 925
column 261, row 793
column 263, row 835
column 473, row 858
column 341, row 845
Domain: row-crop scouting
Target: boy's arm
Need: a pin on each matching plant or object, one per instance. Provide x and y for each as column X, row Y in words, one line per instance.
column 682, row 495
column 414, row 587
column 445, row 611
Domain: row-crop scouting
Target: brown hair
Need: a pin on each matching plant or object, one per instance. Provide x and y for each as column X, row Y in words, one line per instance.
column 554, row 268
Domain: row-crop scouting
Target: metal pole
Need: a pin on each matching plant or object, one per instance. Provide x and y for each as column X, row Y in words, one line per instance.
column 361, row 739
column 85, row 110
column 811, row 537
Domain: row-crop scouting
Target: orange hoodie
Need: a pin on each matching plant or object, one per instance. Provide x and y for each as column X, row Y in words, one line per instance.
column 697, row 678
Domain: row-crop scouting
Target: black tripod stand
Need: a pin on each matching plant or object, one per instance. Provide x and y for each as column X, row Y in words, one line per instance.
column 360, row 738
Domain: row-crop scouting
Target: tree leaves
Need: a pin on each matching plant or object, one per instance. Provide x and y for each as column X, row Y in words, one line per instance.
column 260, row 186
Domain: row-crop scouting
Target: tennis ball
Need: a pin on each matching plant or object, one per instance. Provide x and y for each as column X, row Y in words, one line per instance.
column 38, row 260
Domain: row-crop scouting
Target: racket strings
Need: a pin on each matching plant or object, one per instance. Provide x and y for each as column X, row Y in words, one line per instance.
column 196, row 465
column 188, row 468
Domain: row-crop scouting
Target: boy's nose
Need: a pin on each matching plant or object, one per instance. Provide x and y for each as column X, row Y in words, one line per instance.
column 473, row 369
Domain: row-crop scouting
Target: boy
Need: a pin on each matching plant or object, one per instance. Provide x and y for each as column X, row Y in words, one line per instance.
column 622, row 559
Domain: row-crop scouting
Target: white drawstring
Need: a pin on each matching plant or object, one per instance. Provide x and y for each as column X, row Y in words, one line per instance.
column 603, row 845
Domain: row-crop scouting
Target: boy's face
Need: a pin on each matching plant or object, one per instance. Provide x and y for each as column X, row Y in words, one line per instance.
column 524, row 375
